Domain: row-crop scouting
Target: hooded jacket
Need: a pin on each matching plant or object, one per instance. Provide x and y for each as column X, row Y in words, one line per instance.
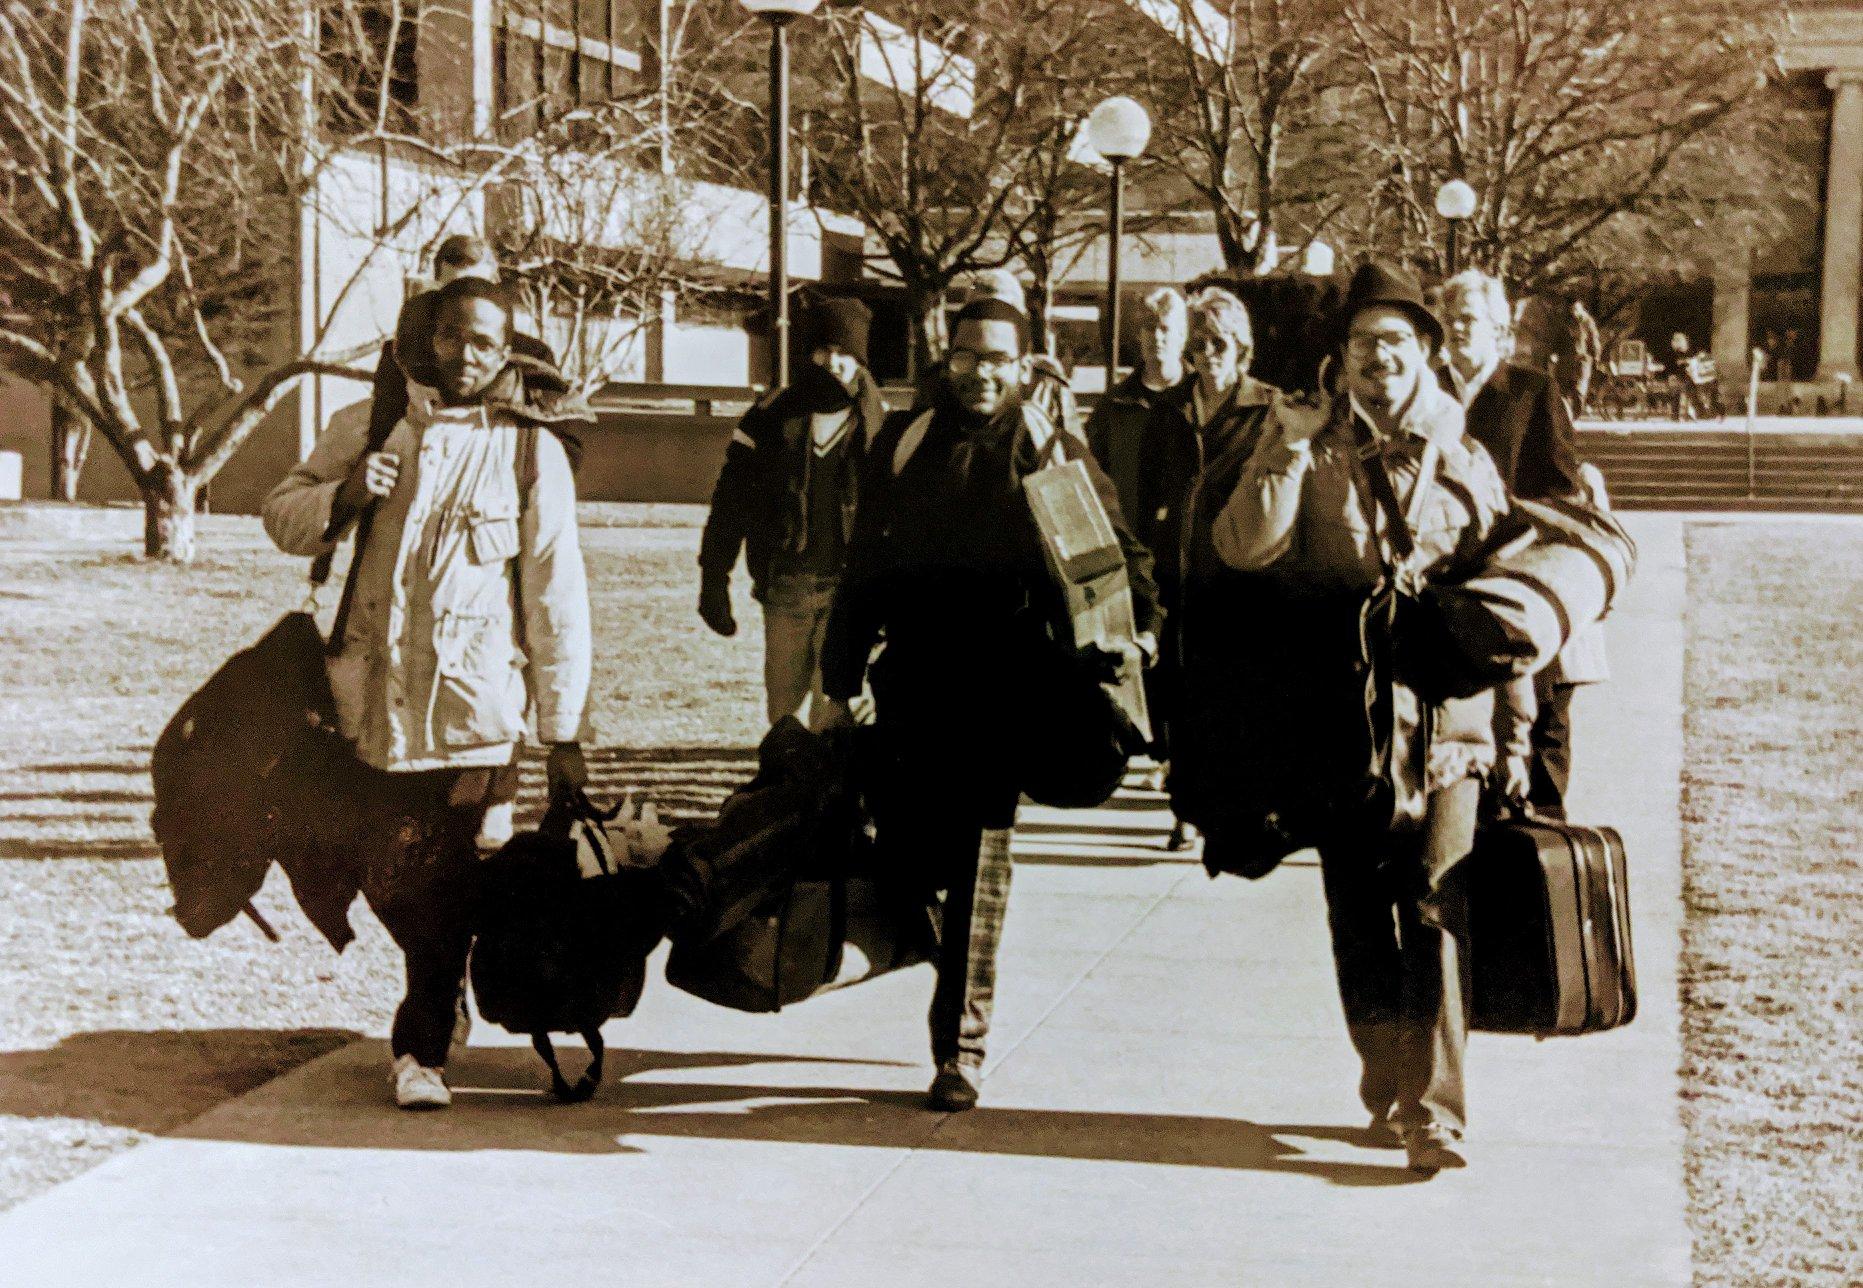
column 443, row 649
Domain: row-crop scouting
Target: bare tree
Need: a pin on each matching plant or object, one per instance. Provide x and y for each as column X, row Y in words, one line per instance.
column 158, row 154
column 920, row 125
column 155, row 154
column 605, row 219
column 1058, row 200
column 1245, row 117
column 1575, row 122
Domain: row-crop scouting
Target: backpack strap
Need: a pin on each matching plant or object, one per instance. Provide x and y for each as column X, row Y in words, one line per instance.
column 526, row 467
column 910, row 440
column 1043, row 435
column 320, row 566
column 584, row 1087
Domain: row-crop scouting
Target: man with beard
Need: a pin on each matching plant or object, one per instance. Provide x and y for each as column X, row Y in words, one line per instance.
column 786, row 495
column 1307, row 512
column 468, row 604
column 947, row 564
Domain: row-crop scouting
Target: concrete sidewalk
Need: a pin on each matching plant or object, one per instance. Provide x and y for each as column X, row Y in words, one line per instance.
column 1169, row 1102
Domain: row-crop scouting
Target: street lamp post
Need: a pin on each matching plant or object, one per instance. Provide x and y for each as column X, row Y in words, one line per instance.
column 1455, row 201
column 1118, row 129
column 779, row 14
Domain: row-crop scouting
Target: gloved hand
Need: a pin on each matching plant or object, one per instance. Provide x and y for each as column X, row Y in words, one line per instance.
column 565, row 774
column 715, row 607
column 1109, row 663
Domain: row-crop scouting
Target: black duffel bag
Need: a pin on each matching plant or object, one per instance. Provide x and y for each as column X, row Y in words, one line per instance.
column 559, row 951
column 819, row 932
column 715, row 873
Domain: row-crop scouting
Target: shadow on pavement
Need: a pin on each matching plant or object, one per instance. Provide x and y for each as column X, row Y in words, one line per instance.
column 499, row 1103
column 152, row 1081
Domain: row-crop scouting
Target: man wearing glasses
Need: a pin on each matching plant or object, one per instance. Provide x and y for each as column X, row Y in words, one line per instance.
column 946, row 562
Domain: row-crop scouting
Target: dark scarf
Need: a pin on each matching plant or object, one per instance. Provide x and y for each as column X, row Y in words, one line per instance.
column 814, row 390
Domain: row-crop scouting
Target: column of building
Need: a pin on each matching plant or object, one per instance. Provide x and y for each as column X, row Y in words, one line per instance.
column 1843, row 229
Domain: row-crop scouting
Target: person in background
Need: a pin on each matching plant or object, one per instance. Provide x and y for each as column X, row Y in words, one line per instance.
column 1520, row 418
column 1304, row 513
column 1587, row 353
column 1582, row 661
column 1217, row 412
column 787, row 496
column 947, row 566
column 1116, row 430
column 467, row 608
column 1513, row 411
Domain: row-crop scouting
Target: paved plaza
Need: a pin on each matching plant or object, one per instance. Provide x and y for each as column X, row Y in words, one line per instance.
column 1169, row 1102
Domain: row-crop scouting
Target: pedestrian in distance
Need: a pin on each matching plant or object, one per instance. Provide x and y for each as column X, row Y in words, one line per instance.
column 1118, row 425
column 1214, row 413
column 468, row 607
column 947, row 566
column 1305, row 511
column 787, row 495
column 1518, row 415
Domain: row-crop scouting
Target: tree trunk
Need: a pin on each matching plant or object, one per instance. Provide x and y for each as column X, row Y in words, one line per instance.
column 168, row 515
column 1041, row 311
column 71, row 446
column 926, row 305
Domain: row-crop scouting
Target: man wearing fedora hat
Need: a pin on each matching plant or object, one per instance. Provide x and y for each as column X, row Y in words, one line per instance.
column 786, row 497
column 1307, row 512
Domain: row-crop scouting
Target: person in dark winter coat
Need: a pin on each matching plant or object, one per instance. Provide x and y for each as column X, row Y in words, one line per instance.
column 787, row 495
column 1117, row 428
column 947, row 565
column 1513, row 411
column 1519, row 416
column 1213, row 415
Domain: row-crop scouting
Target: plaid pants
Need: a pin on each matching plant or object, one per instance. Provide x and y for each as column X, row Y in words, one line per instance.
column 965, row 994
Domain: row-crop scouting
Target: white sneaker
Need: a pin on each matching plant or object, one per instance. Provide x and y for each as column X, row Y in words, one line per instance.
column 498, row 825
column 418, row 1087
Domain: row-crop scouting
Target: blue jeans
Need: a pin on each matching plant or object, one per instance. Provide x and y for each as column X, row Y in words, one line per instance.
column 795, row 620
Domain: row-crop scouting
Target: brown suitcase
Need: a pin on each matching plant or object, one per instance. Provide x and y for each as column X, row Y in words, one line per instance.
column 1549, row 929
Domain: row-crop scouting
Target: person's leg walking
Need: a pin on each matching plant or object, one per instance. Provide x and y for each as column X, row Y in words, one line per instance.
column 789, row 652
column 1362, row 921
column 1432, row 1109
column 1551, row 771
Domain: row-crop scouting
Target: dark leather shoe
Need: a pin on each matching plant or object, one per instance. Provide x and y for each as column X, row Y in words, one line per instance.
column 952, row 1091
column 1433, row 1148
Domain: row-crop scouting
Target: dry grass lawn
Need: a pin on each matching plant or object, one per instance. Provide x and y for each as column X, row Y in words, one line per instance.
column 1773, row 829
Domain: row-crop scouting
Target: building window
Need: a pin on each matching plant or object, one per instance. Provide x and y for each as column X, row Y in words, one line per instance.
column 553, row 56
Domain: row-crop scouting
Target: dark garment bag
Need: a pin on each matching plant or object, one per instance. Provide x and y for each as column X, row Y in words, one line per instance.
column 1549, row 929
column 813, row 936
column 715, row 874
column 558, row 951
column 246, row 774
